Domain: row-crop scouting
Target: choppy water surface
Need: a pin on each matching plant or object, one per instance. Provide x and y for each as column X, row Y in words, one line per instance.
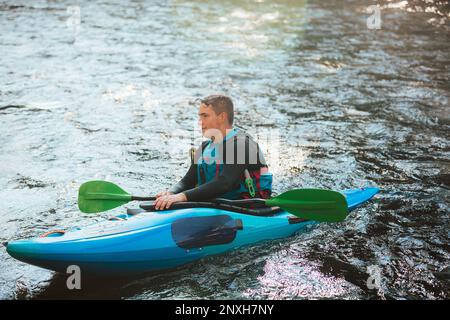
column 113, row 97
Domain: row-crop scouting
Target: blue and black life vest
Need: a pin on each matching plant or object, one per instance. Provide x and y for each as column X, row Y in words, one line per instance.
column 256, row 181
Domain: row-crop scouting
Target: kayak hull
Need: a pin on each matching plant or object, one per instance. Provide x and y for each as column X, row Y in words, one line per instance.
column 153, row 241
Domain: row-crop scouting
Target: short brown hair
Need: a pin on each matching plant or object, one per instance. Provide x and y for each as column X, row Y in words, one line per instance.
column 220, row 103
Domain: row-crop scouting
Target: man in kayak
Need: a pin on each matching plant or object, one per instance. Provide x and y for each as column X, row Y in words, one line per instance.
column 228, row 165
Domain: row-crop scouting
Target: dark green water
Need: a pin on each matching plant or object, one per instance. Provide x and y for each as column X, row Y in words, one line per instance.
column 112, row 96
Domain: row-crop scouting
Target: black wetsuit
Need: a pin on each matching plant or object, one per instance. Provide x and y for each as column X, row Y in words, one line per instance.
column 231, row 174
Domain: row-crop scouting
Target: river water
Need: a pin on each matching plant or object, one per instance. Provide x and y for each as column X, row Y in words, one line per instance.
column 108, row 90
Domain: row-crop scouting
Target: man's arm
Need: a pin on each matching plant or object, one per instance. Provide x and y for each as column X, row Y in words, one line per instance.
column 225, row 182
column 187, row 182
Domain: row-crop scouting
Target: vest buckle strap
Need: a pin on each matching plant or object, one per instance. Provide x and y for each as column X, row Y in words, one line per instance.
column 249, row 184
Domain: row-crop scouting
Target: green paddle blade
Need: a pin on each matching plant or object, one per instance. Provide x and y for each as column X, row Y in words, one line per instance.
column 312, row 204
column 98, row 196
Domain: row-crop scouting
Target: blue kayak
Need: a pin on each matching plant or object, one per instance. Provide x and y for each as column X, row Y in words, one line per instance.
column 144, row 241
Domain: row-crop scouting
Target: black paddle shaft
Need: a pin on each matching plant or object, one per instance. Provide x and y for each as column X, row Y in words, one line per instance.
column 133, row 198
column 240, row 202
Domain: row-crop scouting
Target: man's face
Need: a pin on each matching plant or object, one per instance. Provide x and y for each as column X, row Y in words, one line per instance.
column 209, row 120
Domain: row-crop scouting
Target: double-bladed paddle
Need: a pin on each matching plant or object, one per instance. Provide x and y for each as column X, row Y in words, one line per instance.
column 312, row 204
